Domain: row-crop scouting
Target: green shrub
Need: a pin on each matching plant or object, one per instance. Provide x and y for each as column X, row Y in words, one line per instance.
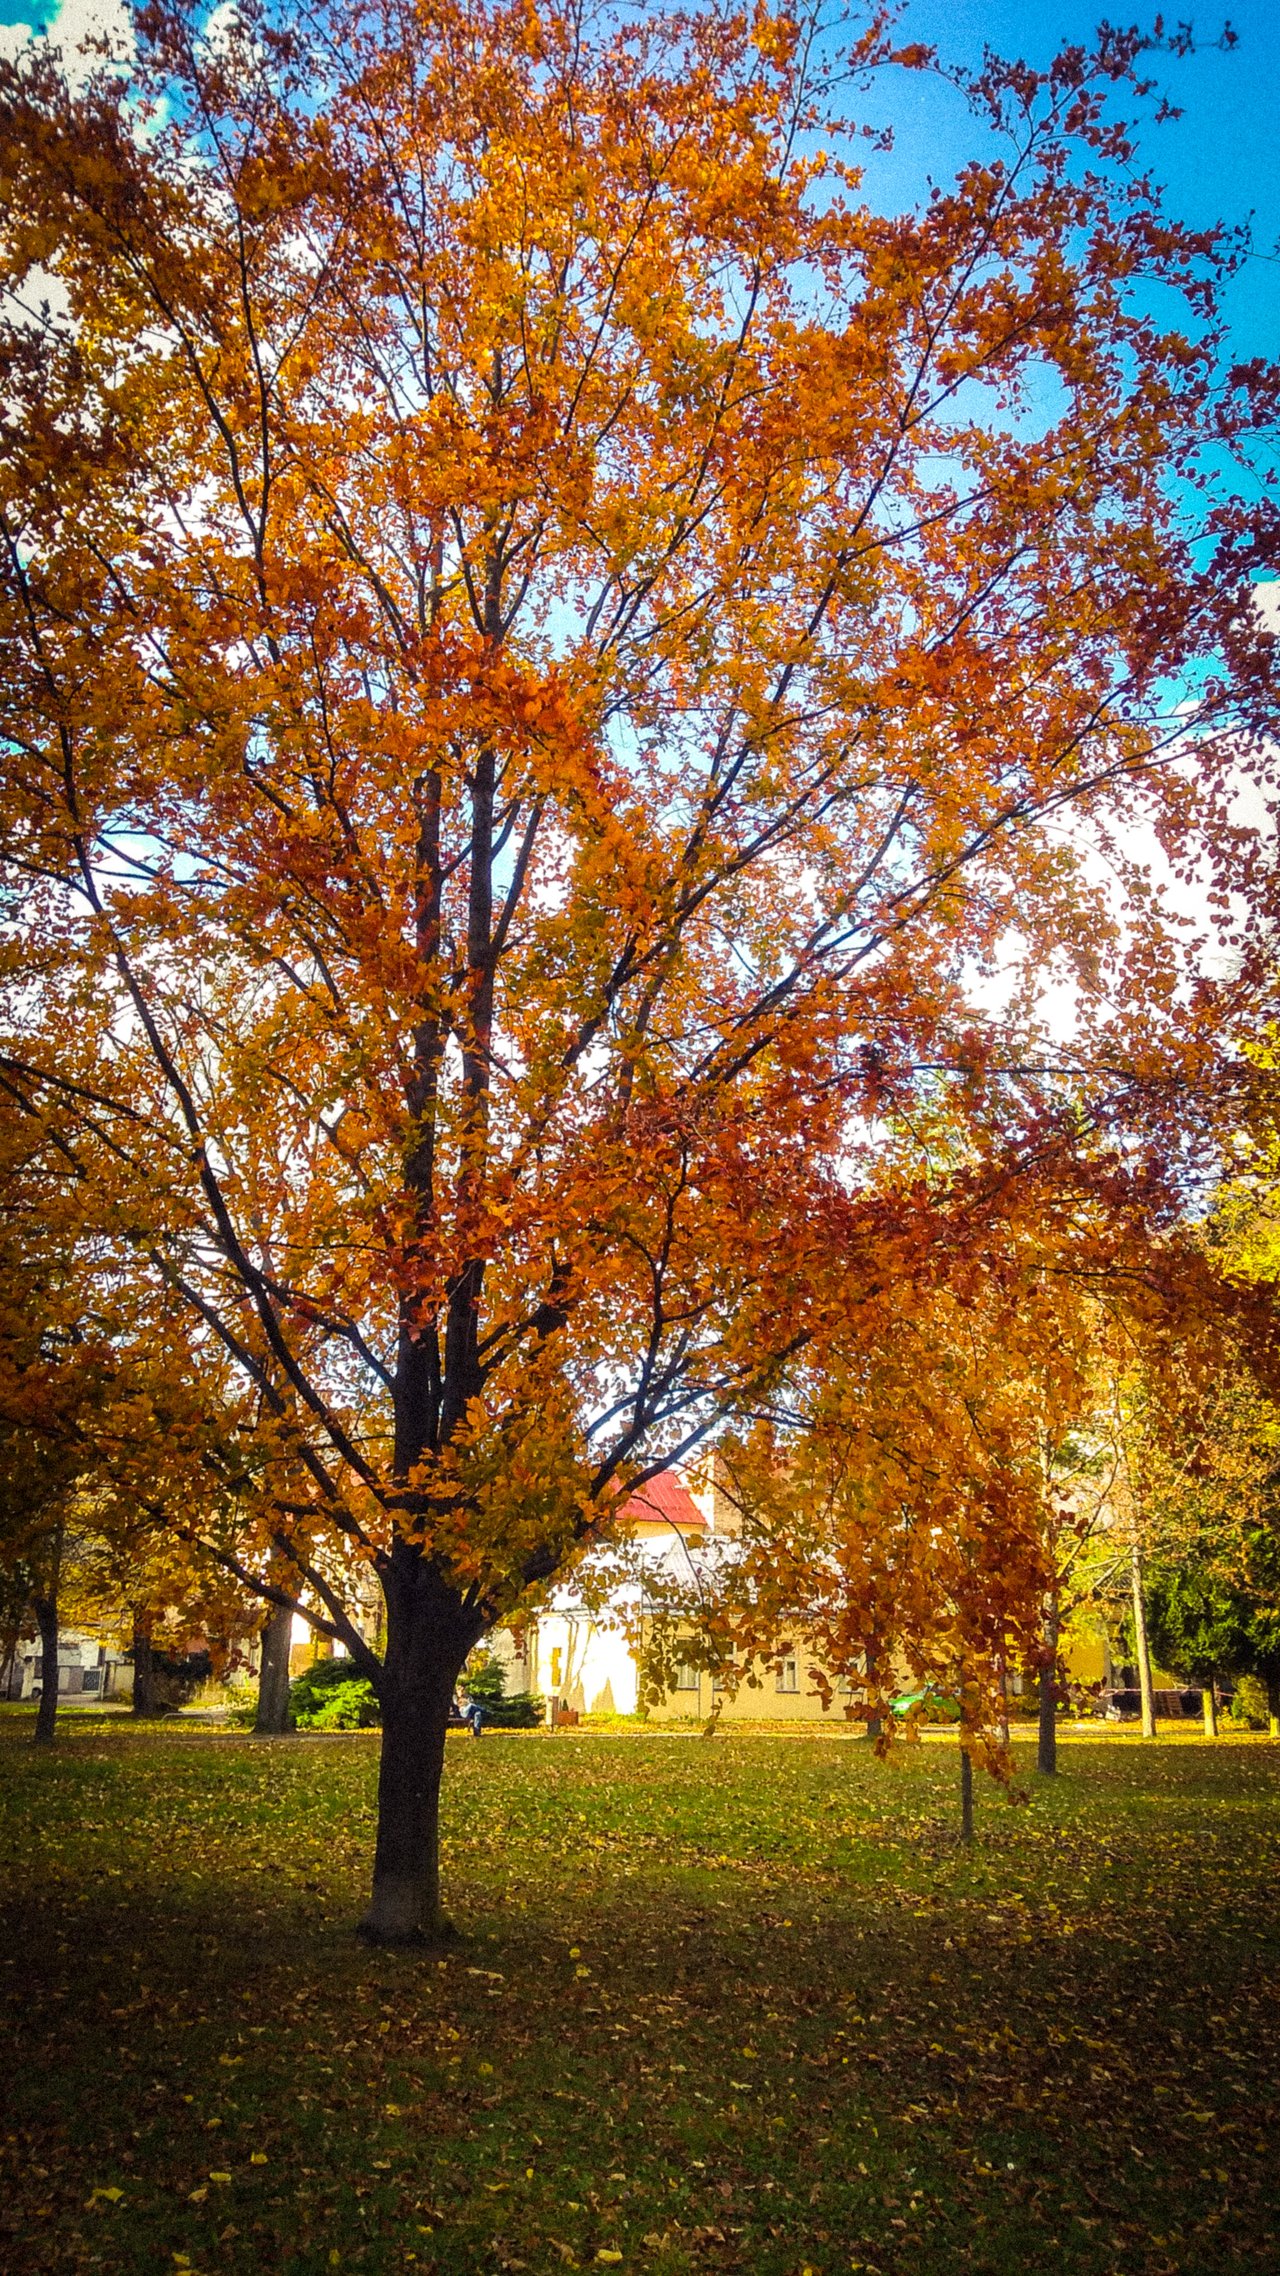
column 330, row 1696
column 1248, row 1709
column 349, row 1706
column 523, row 1711
column 485, row 1681
column 311, row 1692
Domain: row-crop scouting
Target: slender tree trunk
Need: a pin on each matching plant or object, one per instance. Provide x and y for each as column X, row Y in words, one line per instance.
column 1209, row 1701
column 1273, row 1706
column 1142, row 1649
column 9, row 1655
column 1047, row 1748
column 1002, row 1728
column 429, row 1634
column 875, row 1723
column 966, row 1795
column 144, row 1675
column 273, row 1675
column 46, row 1612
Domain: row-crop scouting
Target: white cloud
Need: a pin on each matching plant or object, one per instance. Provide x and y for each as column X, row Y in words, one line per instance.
column 76, row 21
column 1266, row 600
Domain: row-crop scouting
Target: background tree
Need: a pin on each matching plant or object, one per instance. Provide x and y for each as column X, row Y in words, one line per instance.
column 1213, row 1584
column 545, row 645
column 935, row 1477
column 1188, row 1566
column 123, row 1454
column 1198, row 1627
column 272, row 1717
column 57, row 1371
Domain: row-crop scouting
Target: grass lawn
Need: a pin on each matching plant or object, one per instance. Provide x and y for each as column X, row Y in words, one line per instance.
column 738, row 2004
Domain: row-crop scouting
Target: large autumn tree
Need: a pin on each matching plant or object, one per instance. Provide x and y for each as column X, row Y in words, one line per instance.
column 545, row 643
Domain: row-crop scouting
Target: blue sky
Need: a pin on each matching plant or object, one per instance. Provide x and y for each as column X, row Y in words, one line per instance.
column 1218, row 161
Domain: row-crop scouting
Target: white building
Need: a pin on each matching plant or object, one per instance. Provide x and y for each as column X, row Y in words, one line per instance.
column 583, row 1660
column 86, row 1669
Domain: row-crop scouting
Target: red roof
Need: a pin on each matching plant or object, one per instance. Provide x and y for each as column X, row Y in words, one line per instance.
column 664, row 1500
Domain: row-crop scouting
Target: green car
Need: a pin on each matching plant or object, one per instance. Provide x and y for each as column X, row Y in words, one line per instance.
column 938, row 1708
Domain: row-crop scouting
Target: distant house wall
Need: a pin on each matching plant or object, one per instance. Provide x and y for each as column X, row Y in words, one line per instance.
column 588, row 1665
column 87, row 1669
column 570, row 1657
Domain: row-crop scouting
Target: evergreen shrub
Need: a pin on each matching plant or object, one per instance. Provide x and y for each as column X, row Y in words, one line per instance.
column 330, row 1696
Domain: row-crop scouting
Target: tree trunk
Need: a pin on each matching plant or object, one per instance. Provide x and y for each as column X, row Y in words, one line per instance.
column 1273, row 1706
column 144, row 1677
column 875, row 1723
column 1002, row 1727
column 1142, row 1649
column 429, row 1634
column 1047, row 1748
column 46, row 1611
column 404, row 1907
column 1209, row 1701
column 966, row 1795
column 273, row 1675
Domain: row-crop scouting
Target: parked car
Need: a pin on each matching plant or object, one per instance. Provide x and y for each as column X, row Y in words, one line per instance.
column 935, row 1705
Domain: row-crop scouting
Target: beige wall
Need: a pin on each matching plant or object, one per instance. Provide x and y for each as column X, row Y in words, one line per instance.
column 569, row 1656
column 590, row 1667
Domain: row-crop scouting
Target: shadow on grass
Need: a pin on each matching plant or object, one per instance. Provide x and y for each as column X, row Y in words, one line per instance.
column 743, row 2007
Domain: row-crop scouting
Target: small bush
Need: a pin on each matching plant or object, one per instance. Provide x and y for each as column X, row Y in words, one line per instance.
column 485, row 1681
column 330, row 1696
column 523, row 1711
column 349, row 1706
column 311, row 1691
column 1248, row 1709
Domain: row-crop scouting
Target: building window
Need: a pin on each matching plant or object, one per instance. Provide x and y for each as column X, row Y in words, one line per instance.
column 557, row 1663
column 688, row 1677
column 788, row 1678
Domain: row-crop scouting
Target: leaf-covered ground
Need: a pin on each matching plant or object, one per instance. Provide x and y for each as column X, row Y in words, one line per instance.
column 728, row 2005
